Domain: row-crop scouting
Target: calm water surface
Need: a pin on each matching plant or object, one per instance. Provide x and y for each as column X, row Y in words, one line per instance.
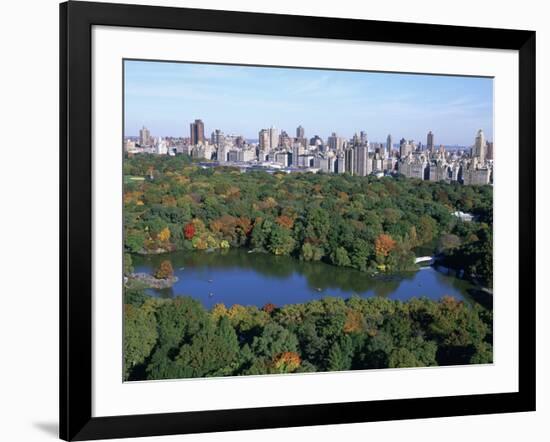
column 238, row 277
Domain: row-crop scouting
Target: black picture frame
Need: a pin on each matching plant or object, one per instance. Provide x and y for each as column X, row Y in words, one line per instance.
column 76, row 21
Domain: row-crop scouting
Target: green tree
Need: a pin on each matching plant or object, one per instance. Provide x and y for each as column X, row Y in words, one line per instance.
column 140, row 335
column 340, row 355
column 280, row 241
column 340, row 257
column 212, row 352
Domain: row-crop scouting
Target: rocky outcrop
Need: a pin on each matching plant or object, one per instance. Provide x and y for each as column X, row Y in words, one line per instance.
column 152, row 282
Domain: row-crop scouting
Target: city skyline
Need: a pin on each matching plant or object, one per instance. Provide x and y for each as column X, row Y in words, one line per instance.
column 167, row 96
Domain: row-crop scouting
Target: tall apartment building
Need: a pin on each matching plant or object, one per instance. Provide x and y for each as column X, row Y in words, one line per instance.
column 145, row 137
column 196, row 132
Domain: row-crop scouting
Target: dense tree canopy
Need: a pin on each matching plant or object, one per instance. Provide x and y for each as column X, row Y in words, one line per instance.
column 367, row 223
column 178, row 338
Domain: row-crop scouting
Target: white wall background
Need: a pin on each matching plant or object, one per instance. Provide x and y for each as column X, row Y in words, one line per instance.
column 29, row 218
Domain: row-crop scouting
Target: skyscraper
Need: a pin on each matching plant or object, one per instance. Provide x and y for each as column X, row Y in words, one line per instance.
column 197, row 132
column 405, row 148
column 349, row 159
column 273, row 137
column 389, row 145
column 430, row 141
column 341, row 162
column 362, row 166
column 217, row 137
column 480, row 147
column 144, row 137
column 300, row 132
column 335, row 142
column 263, row 139
column 284, row 140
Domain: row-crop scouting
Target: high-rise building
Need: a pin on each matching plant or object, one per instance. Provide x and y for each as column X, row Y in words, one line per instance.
column 300, row 132
column 222, row 153
column 405, row 148
column 316, row 141
column 480, row 147
column 263, row 139
column 350, row 161
column 217, row 137
column 144, row 137
column 161, row 147
column 284, row 140
column 363, row 165
column 341, row 162
column 335, row 142
column 490, row 150
column 430, row 141
column 414, row 166
column 239, row 141
column 389, row 146
column 363, row 138
column 273, row 137
column 476, row 175
column 197, row 132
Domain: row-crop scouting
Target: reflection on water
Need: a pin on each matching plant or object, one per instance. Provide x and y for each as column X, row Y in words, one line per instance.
column 238, row 277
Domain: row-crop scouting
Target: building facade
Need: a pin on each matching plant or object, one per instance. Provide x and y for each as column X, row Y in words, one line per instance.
column 196, row 130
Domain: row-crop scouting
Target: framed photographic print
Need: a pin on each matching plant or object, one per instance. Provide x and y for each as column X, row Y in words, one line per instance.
column 274, row 220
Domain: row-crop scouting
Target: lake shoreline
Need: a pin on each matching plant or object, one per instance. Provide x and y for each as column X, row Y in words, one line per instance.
column 235, row 276
column 146, row 280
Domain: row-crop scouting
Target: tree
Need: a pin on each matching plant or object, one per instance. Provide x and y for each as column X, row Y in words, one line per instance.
column 285, row 221
column 309, row 252
column 280, row 241
column 269, row 308
column 134, row 241
column 402, row 358
column 164, row 234
column 165, row 270
column 211, row 352
column 427, row 229
column 140, row 335
column 274, row 340
column 340, row 257
column 384, row 244
column 448, row 241
column 189, row 231
column 128, row 268
column 286, row 362
column 341, row 354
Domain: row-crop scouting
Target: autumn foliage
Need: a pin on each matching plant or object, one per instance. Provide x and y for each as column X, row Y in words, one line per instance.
column 287, row 361
column 285, row 221
column 354, row 322
column 269, row 307
column 164, row 234
column 384, row 244
column 165, row 270
column 189, row 231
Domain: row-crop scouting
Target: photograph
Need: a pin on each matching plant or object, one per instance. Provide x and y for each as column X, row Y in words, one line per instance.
column 285, row 220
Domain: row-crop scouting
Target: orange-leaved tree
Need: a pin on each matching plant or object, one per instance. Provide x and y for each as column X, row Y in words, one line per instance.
column 287, row 362
column 384, row 244
column 165, row 270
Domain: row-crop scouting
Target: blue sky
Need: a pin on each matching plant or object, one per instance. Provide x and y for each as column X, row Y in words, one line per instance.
column 241, row 100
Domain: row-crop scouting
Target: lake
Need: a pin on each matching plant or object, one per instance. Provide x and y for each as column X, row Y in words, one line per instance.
column 238, row 277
